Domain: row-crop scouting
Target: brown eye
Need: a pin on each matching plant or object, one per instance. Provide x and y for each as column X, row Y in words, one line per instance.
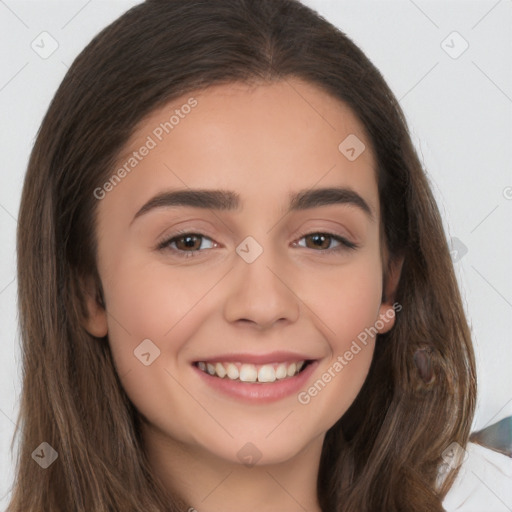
column 186, row 244
column 318, row 241
column 322, row 242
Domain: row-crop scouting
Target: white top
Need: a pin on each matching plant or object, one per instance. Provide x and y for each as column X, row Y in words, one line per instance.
column 484, row 482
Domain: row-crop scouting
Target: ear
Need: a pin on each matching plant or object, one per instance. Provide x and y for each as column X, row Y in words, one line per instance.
column 388, row 307
column 95, row 322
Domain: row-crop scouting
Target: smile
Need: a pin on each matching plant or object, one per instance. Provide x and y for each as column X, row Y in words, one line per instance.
column 256, row 378
column 244, row 372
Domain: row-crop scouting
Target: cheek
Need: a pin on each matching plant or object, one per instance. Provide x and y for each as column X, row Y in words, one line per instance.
column 345, row 299
column 347, row 308
column 146, row 300
column 166, row 306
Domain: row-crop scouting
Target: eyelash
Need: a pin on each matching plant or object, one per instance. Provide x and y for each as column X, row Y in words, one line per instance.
column 344, row 243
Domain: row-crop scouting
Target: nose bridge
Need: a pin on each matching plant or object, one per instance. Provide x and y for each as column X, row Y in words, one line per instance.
column 259, row 290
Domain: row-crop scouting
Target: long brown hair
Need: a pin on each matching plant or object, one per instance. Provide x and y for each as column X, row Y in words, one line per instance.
column 419, row 397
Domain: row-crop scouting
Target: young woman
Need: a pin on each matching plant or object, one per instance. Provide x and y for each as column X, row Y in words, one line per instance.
column 235, row 290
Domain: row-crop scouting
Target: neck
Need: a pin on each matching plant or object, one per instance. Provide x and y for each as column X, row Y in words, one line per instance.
column 208, row 483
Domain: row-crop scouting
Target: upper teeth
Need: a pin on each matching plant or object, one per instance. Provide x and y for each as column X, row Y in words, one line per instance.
column 252, row 372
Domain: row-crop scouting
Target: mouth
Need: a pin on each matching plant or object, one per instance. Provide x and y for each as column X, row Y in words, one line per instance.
column 256, row 378
column 237, row 371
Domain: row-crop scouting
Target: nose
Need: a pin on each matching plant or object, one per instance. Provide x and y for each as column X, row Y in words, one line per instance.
column 260, row 293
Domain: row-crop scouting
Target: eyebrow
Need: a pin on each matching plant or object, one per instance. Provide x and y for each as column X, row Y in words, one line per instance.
column 226, row 200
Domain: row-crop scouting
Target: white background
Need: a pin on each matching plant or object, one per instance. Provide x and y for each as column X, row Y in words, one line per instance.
column 459, row 111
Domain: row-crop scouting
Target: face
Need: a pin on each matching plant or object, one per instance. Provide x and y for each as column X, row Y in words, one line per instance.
column 246, row 314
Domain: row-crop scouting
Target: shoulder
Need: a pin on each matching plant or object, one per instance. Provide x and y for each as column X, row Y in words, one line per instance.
column 484, row 482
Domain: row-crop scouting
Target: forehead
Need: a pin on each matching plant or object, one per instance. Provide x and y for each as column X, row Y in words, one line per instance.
column 264, row 141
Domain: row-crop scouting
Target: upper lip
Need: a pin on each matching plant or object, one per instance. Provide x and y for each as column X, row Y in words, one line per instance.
column 271, row 357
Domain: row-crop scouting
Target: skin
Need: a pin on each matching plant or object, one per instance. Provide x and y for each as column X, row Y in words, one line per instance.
column 261, row 142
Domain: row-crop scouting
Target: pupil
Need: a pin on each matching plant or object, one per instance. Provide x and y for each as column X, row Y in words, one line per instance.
column 190, row 241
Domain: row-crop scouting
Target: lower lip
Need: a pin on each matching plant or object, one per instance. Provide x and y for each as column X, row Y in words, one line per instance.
column 264, row 392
